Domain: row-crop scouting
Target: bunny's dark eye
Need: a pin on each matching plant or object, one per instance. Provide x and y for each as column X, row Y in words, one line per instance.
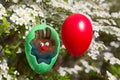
column 47, row 44
column 41, row 44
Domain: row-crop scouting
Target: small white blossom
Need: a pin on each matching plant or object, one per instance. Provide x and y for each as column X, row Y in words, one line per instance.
column 114, row 44
column 26, row 33
column 38, row 1
column 110, row 76
column 74, row 70
column 26, row 27
column 14, row 17
column 113, row 22
column 15, row 1
column 4, row 71
column 23, row 37
column 0, row 77
column 76, row 67
column 27, row 79
column 19, row 50
column 23, row 15
column 109, row 56
column 16, row 72
column 116, row 14
column 20, row 21
column 63, row 47
column 2, row 11
column 61, row 71
column 88, row 67
column 96, row 34
column 95, row 48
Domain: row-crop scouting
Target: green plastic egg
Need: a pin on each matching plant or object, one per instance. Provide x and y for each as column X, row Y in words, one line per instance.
column 41, row 67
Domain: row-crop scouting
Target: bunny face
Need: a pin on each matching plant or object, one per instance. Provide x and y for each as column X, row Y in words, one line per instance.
column 43, row 41
column 45, row 46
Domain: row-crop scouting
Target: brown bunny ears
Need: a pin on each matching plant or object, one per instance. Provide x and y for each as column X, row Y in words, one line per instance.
column 45, row 34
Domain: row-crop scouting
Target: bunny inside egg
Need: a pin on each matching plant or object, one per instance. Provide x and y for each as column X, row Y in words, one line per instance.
column 43, row 46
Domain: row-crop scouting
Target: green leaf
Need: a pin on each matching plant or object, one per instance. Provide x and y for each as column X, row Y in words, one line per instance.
column 115, row 70
column 7, row 51
column 4, row 26
column 5, row 22
column 7, row 31
column 66, row 0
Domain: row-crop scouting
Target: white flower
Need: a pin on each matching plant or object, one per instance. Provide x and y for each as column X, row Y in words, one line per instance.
column 20, row 21
column 7, row 0
column 113, row 60
column 1, row 6
column 23, row 37
column 30, row 28
column 24, row 15
column 2, row 11
column 19, row 50
column 61, row 71
column 88, row 67
column 114, row 44
column 109, row 56
column 116, row 14
column 16, row 72
column 62, row 47
column 27, row 79
column 14, row 17
column 35, row 13
column 15, row 1
column 0, row 77
column 38, row 1
column 4, row 71
column 110, row 76
column 96, row 34
column 15, row 29
column 74, row 70
column 26, row 27
column 26, row 33
column 118, row 61
column 95, row 49
column 78, row 68
column 87, row 70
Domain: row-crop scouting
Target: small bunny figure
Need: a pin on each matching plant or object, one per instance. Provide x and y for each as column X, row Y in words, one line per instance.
column 43, row 46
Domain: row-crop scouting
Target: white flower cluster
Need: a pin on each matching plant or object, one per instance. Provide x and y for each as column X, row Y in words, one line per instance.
column 60, row 3
column 4, row 71
column 95, row 49
column 97, row 26
column 15, row 1
column 115, row 44
column 116, row 15
column 111, row 30
column 23, row 15
column 109, row 56
column 2, row 11
column 89, row 67
column 110, row 76
column 64, row 70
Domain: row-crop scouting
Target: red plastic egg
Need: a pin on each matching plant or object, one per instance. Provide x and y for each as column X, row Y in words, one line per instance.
column 77, row 34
